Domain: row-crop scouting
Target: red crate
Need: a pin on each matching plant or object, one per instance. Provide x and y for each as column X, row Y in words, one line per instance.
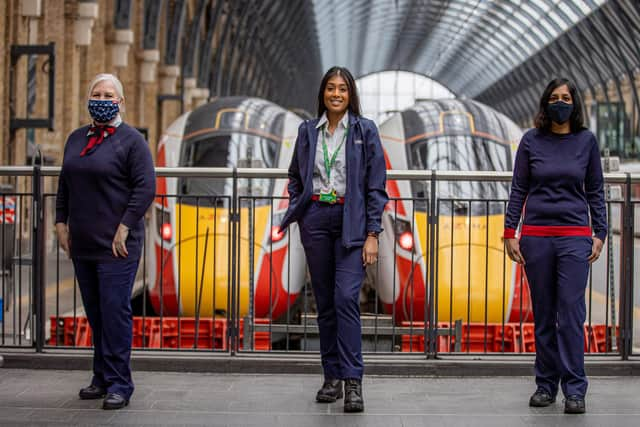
column 506, row 339
column 596, row 341
column 173, row 332
column 70, row 331
column 155, row 332
column 261, row 339
column 416, row 342
column 412, row 343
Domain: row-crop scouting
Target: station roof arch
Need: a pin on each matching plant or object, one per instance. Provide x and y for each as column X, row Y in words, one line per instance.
column 500, row 52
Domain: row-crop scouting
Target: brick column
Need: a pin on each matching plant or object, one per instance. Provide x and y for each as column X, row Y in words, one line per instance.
column 122, row 40
column 148, row 68
column 87, row 15
column 200, row 97
column 168, row 78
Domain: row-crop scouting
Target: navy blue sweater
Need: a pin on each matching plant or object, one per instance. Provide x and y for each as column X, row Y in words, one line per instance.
column 113, row 184
column 557, row 181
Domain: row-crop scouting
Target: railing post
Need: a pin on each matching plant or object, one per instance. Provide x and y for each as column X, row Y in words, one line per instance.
column 626, row 273
column 37, row 254
column 233, row 312
column 433, row 223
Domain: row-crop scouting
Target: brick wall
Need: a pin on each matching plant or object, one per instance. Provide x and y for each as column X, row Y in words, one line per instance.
column 75, row 68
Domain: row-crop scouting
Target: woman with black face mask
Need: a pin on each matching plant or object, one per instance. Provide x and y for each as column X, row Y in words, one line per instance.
column 105, row 187
column 557, row 174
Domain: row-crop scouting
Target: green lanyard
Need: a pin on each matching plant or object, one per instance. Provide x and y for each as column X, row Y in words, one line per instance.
column 329, row 162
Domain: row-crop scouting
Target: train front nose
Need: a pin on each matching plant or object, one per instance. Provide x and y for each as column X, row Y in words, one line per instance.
column 473, row 278
column 473, row 282
column 206, row 266
column 205, row 279
column 204, row 262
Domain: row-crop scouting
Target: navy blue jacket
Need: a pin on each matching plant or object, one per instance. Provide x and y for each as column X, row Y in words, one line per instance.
column 365, row 197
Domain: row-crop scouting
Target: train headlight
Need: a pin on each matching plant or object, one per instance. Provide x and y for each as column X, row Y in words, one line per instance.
column 406, row 241
column 404, row 234
column 163, row 221
column 276, row 233
column 166, row 231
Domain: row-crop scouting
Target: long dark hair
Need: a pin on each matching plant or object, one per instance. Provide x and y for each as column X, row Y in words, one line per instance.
column 354, row 99
column 576, row 120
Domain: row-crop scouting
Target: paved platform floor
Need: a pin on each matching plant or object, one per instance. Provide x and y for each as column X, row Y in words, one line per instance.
column 48, row 397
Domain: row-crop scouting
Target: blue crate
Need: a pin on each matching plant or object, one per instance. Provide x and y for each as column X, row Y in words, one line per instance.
column 1, row 309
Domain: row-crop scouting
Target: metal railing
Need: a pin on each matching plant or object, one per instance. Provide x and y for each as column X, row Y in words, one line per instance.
column 244, row 288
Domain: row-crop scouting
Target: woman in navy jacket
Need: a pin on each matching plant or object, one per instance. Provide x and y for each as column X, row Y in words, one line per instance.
column 558, row 175
column 106, row 184
column 337, row 194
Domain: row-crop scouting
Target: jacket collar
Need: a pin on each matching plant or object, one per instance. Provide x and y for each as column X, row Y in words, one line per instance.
column 314, row 124
column 344, row 121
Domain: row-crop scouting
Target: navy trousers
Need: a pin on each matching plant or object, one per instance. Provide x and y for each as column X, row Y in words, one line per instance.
column 557, row 270
column 336, row 276
column 106, row 295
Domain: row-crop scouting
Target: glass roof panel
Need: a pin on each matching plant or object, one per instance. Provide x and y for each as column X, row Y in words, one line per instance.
column 569, row 11
column 453, row 41
column 530, row 10
column 547, row 26
column 584, row 7
column 553, row 15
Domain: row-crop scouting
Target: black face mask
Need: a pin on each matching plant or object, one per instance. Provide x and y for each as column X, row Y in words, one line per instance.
column 559, row 111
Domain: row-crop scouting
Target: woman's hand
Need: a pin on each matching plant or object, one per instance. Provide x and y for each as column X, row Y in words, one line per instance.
column 513, row 250
column 370, row 251
column 62, row 230
column 596, row 248
column 119, row 244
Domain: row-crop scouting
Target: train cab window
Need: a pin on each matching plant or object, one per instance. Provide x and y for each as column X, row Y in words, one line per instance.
column 231, row 119
column 235, row 150
column 461, row 153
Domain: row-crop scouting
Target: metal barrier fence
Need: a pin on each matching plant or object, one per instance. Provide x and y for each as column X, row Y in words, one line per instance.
column 218, row 275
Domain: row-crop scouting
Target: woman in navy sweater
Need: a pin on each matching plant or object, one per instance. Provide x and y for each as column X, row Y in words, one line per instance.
column 557, row 189
column 105, row 187
column 337, row 194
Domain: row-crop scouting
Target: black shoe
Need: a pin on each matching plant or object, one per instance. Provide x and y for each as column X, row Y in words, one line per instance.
column 114, row 401
column 330, row 392
column 353, row 401
column 574, row 405
column 541, row 398
column 92, row 392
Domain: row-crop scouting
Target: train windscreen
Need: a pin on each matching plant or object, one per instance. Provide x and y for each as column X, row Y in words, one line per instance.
column 461, row 153
column 232, row 150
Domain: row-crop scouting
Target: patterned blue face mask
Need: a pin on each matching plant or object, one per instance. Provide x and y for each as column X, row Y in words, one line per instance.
column 103, row 111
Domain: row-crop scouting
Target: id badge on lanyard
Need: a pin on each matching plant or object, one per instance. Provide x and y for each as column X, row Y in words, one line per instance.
column 331, row 195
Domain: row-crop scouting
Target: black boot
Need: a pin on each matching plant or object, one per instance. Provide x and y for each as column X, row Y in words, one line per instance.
column 574, row 405
column 330, row 392
column 92, row 392
column 541, row 399
column 114, row 401
column 353, row 401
